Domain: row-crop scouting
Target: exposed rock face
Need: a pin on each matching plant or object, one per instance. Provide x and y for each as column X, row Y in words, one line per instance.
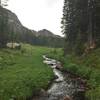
column 13, row 22
column 67, row 98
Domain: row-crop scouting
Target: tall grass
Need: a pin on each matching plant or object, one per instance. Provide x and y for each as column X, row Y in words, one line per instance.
column 22, row 72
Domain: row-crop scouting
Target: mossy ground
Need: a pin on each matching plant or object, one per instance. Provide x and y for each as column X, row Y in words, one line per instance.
column 22, row 72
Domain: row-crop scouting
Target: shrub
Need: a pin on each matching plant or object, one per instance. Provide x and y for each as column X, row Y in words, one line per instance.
column 72, row 68
column 93, row 94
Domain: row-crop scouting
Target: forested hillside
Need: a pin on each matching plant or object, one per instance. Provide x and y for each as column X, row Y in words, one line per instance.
column 81, row 25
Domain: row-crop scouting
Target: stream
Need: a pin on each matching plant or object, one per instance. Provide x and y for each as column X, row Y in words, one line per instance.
column 63, row 87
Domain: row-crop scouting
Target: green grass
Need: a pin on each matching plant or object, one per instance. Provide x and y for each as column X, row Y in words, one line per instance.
column 22, row 72
column 87, row 67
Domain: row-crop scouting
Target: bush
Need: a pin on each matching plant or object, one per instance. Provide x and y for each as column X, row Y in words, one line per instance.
column 23, row 50
column 84, row 71
column 94, row 80
column 93, row 94
column 72, row 68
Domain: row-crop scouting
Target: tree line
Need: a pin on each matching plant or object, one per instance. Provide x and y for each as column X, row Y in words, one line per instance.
column 81, row 25
column 42, row 40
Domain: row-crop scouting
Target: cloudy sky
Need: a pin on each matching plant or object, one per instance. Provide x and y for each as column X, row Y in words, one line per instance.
column 39, row 14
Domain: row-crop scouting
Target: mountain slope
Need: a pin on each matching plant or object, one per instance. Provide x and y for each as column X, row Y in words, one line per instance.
column 12, row 29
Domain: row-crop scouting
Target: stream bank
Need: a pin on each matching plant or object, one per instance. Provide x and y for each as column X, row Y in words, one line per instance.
column 64, row 86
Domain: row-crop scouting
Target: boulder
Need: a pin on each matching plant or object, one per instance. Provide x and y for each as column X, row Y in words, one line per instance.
column 67, row 98
column 13, row 45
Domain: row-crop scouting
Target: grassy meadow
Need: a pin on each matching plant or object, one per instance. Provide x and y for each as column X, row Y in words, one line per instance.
column 22, row 72
column 87, row 67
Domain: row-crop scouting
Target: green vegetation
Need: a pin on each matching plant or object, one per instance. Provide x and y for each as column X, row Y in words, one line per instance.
column 81, row 29
column 80, row 25
column 23, row 73
column 87, row 67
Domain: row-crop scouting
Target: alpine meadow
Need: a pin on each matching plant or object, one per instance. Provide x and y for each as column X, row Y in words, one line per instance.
column 40, row 62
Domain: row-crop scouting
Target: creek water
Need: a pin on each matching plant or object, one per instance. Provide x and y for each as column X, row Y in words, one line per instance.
column 63, row 87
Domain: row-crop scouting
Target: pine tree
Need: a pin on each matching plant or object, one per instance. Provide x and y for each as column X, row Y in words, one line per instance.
column 81, row 25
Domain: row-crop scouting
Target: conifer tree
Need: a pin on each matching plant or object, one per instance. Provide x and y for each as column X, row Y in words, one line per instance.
column 81, row 25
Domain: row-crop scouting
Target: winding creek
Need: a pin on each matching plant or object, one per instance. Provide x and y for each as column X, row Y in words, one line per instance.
column 63, row 87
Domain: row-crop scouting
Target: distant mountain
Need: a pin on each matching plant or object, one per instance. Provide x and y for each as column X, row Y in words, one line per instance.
column 47, row 33
column 11, row 27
